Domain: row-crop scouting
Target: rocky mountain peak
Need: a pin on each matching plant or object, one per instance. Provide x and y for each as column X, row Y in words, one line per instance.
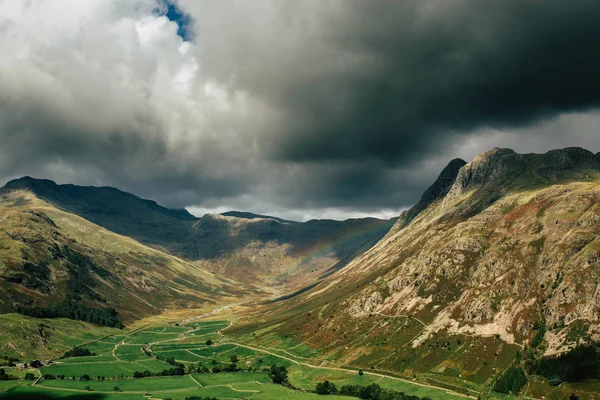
column 487, row 166
column 498, row 169
column 437, row 191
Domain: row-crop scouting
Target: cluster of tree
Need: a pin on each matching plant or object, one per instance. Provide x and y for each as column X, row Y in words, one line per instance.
column 197, row 369
column 78, row 352
column 4, row 376
column 72, row 309
column 369, row 392
column 84, row 377
column 581, row 363
column 512, row 381
column 177, row 370
column 201, row 369
column 326, row 388
column 278, row 374
column 228, row 368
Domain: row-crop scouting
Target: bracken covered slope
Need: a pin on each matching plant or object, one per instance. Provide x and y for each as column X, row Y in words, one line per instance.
column 458, row 288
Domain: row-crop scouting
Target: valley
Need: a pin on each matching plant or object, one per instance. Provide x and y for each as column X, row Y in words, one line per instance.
column 486, row 288
column 119, row 357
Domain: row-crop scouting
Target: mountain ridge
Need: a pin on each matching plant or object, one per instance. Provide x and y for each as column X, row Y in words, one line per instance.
column 506, row 260
column 259, row 251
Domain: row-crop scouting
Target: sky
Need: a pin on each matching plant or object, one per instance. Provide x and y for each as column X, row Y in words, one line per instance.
column 307, row 109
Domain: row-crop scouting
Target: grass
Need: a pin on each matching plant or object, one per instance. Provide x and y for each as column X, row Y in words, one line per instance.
column 6, row 385
column 231, row 377
column 38, row 393
column 255, row 385
column 163, row 383
column 112, row 369
column 179, row 355
column 20, row 336
column 145, row 337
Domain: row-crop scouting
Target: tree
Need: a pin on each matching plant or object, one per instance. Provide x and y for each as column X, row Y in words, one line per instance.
column 278, row 374
column 116, row 389
column 88, row 388
column 78, row 352
column 579, row 364
column 29, row 376
column 512, row 381
column 35, row 364
column 360, row 372
column 234, row 358
column 326, row 388
column 209, row 342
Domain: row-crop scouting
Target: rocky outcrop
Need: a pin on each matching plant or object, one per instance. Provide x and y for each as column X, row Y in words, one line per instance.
column 437, row 191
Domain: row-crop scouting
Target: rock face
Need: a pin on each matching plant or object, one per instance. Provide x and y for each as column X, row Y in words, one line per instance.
column 513, row 245
column 437, row 191
column 503, row 170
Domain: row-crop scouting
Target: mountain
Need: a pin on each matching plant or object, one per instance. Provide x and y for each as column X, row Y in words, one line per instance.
column 59, row 234
column 111, row 208
column 49, row 256
column 501, row 256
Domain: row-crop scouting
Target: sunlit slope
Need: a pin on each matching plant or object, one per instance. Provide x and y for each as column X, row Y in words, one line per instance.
column 48, row 255
column 512, row 246
column 25, row 338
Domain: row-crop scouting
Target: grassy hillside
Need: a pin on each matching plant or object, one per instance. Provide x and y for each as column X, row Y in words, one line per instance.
column 48, row 256
column 500, row 270
column 25, row 338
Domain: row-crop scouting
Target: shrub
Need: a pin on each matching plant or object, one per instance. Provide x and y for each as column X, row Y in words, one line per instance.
column 77, row 352
column 326, row 388
column 278, row 374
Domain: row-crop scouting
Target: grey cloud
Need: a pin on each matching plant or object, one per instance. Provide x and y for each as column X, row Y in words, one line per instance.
column 345, row 106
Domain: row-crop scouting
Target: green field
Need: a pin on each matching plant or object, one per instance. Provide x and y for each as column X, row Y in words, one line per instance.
column 113, row 369
column 163, row 383
column 108, row 370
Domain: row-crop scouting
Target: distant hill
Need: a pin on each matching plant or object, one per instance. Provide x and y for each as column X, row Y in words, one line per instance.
column 249, row 215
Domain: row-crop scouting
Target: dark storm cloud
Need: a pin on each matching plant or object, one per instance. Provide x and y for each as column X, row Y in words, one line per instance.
column 301, row 109
column 402, row 79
